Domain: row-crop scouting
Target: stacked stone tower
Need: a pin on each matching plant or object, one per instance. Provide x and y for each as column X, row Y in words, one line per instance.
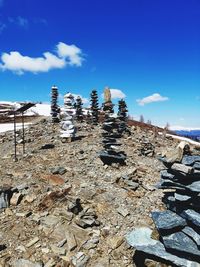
column 79, row 111
column 54, row 104
column 122, row 116
column 67, row 125
column 111, row 153
column 94, row 107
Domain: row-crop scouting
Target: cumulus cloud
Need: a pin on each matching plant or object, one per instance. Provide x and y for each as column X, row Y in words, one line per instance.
column 71, row 52
column 152, row 98
column 116, row 94
column 18, row 63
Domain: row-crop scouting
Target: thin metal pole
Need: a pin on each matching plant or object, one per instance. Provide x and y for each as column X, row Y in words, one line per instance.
column 15, row 139
column 23, row 133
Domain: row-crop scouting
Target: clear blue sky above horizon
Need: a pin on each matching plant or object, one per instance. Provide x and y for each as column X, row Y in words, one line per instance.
column 139, row 47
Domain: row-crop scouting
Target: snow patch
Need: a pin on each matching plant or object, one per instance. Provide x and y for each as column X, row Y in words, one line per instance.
column 5, row 127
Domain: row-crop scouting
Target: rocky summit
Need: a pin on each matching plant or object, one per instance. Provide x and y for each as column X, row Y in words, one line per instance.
column 60, row 205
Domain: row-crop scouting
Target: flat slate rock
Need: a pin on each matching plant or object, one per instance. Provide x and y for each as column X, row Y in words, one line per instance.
column 168, row 221
column 165, row 183
column 192, row 234
column 158, row 251
column 140, row 236
column 182, row 169
column 181, row 244
column 193, row 187
column 166, row 175
column 190, row 160
column 192, row 216
column 196, row 166
column 109, row 158
column 182, row 198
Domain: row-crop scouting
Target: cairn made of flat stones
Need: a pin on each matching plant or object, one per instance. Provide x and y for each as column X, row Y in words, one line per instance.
column 68, row 130
column 122, row 116
column 94, row 107
column 111, row 153
column 54, row 104
column 178, row 227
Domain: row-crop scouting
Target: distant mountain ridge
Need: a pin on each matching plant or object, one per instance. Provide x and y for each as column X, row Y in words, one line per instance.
column 193, row 134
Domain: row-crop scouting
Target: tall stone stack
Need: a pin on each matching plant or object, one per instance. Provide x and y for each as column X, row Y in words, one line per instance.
column 94, row 107
column 79, row 110
column 111, row 153
column 54, row 104
column 68, row 129
column 122, row 116
column 179, row 225
column 107, row 105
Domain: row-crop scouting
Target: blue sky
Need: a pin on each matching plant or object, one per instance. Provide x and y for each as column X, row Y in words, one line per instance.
column 148, row 50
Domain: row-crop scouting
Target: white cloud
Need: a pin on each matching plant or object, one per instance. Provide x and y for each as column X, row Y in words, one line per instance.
column 152, row 98
column 19, row 64
column 115, row 94
column 71, row 52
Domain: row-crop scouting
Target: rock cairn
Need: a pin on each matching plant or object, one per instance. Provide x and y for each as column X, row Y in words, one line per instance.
column 145, row 147
column 54, row 104
column 122, row 116
column 108, row 105
column 179, row 225
column 94, row 107
column 111, row 153
column 79, row 111
column 67, row 125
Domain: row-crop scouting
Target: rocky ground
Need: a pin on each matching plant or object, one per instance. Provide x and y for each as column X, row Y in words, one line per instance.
column 66, row 207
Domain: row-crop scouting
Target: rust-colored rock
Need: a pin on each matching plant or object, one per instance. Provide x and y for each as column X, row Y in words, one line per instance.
column 54, row 179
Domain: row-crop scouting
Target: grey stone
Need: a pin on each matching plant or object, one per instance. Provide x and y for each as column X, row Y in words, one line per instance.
column 182, row 198
column 80, row 259
column 181, row 168
column 5, row 194
column 140, row 239
column 132, row 185
column 140, row 236
column 192, row 216
column 193, row 187
column 167, row 221
column 180, row 242
column 26, row 263
column 158, row 251
column 192, row 234
column 47, row 146
column 196, row 166
column 190, row 160
column 123, row 211
column 166, row 175
column 58, row 170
